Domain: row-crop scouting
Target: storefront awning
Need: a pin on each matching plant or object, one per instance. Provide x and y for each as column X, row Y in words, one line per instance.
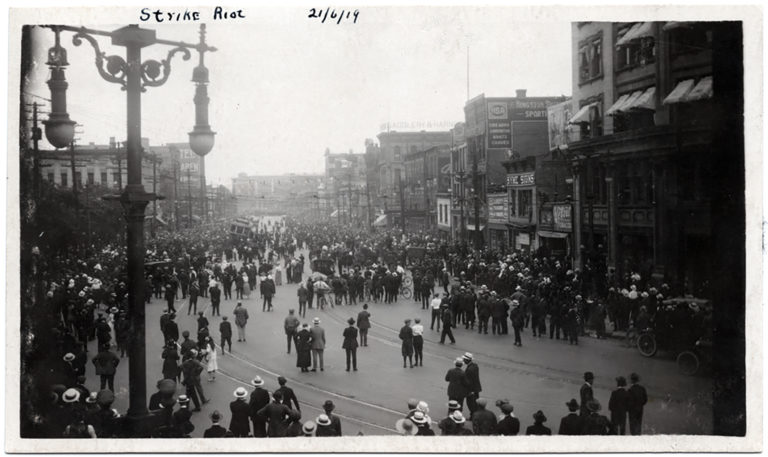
column 639, row 30
column 624, row 40
column 702, row 91
column 615, row 107
column 646, row 100
column 582, row 115
column 679, row 92
column 628, row 102
column 550, row 234
column 380, row 221
column 472, row 227
column 672, row 25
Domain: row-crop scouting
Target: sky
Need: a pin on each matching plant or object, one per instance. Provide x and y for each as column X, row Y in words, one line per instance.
column 284, row 87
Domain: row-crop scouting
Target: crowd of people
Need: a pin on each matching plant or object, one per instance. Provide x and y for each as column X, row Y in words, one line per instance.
column 86, row 300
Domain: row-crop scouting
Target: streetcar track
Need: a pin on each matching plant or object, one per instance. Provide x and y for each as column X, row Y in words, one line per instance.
column 316, row 408
column 315, row 388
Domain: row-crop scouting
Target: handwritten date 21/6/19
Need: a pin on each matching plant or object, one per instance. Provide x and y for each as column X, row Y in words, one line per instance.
column 332, row 15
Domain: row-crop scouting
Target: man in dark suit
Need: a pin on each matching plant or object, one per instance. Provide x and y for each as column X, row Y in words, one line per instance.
column 181, row 418
column 618, row 405
column 215, row 430
column 572, row 423
column 638, row 397
column 483, row 421
column 225, row 329
column 275, row 414
column 509, row 425
column 350, row 343
column 215, row 299
column 364, row 323
column 595, row 423
column 586, row 393
column 239, row 425
column 289, row 397
column 171, row 328
column 259, row 399
column 328, row 407
column 447, row 317
column 457, row 383
column 472, row 372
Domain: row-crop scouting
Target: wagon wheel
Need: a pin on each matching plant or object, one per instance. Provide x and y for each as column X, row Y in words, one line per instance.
column 407, row 281
column 406, row 293
column 688, row 363
column 646, row 344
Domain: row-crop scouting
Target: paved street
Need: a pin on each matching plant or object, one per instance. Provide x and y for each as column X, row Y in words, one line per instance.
column 542, row 374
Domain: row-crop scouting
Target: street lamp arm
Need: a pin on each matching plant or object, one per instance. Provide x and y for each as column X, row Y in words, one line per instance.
column 150, row 70
column 111, row 68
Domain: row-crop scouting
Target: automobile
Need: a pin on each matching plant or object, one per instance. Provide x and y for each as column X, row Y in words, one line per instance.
column 672, row 329
column 324, row 266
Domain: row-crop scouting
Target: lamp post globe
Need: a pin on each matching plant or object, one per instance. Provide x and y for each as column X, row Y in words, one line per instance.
column 201, row 140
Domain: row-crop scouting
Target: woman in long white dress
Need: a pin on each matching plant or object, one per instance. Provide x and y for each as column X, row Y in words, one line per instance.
column 211, row 357
column 246, row 286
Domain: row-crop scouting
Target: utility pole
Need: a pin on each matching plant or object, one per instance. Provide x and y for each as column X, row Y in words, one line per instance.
column 189, row 196
column 402, row 200
column 154, row 191
column 368, row 204
column 36, row 135
column 175, row 194
column 476, row 185
column 74, row 172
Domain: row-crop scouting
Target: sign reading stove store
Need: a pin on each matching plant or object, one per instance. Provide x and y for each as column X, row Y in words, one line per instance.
column 499, row 125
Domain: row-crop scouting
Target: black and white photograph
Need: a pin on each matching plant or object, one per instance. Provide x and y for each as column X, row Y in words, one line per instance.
column 534, row 227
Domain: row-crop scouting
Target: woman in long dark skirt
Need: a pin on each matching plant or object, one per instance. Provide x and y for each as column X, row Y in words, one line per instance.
column 303, row 357
column 171, row 361
column 406, row 334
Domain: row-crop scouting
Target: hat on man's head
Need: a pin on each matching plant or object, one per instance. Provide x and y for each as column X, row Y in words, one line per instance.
column 328, row 405
column 572, row 405
column 467, row 356
column 634, row 377
column 183, row 399
column 412, row 403
column 91, row 398
column 423, row 406
column 257, row 381
column 281, row 380
column 323, row 419
column 588, row 376
column 350, row 321
column 539, row 416
column 457, row 417
column 621, row 381
column 458, row 362
column 240, row 392
column 316, row 320
column 68, row 357
column 216, row 416
column 593, row 405
column 507, row 408
column 308, row 428
column 406, row 426
column 453, row 405
column 71, row 395
column 419, row 417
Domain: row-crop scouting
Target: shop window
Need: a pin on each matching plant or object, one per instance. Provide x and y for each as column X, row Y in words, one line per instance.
column 64, row 180
column 512, row 202
column 525, row 201
column 103, row 178
column 590, row 59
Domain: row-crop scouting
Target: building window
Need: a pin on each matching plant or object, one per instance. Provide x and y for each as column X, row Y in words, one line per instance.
column 91, row 178
column 78, row 177
column 50, row 177
column 103, row 178
column 590, row 59
column 594, row 127
column 524, row 204
column 512, row 202
column 116, row 178
column 398, row 154
column 64, row 180
column 640, row 51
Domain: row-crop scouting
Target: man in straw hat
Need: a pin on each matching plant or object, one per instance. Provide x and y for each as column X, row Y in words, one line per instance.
column 239, row 425
column 308, row 429
column 422, row 421
column 572, row 423
column 350, row 343
column 259, row 399
column 317, row 334
column 324, row 427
